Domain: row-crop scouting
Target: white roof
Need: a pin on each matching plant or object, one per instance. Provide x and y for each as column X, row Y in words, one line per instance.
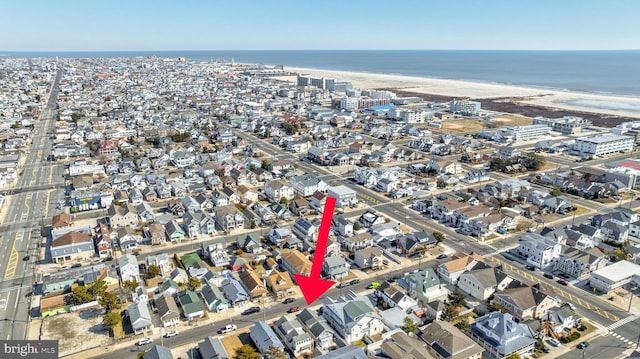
column 618, row 271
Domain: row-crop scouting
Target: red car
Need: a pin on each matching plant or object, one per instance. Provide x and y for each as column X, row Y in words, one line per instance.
column 563, row 282
column 293, row 309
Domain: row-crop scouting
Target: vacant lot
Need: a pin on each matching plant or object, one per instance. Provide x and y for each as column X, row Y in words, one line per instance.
column 75, row 331
column 472, row 125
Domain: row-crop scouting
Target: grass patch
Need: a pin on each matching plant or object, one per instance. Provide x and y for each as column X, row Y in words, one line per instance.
column 581, row 210
column 231, row 343
column 605, row 200
column 491, row 237
column 359, row 343
column 118, row 331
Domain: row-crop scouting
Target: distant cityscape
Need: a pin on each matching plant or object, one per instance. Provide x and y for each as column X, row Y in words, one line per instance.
column 159, row 207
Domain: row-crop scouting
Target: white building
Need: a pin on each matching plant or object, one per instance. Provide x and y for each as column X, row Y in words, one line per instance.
column 465, row 107
column 526, row 133
column 603, row 144
column 540, row 251
column 349, row 103
column 615, row 276
column 345, row 196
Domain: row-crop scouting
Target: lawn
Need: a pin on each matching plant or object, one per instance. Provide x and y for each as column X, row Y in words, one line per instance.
column 581, row 210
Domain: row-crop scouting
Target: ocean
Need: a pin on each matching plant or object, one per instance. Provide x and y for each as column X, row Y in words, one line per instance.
column 603, row 72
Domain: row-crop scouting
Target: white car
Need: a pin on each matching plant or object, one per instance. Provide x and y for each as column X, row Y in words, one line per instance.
column 228, row 328
column 555, row 342
column 171, row 333
column 144, row 341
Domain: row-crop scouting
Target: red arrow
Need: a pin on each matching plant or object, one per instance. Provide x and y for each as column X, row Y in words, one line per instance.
column 312, row 286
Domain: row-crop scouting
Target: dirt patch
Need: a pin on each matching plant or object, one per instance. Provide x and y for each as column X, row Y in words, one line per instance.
column 232, row 342
column 75, row 332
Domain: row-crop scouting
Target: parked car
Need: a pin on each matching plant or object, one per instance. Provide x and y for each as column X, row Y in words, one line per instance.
column 582, row 345
column 545, row 349
column 343, row 284
column 228, row 328
column 555, row 342
column 442, row 256
column 63, row 268
column 530, row 267
column 293, row 309
column 251, row 310
column 569, row 305
column 373, row 285
column 77, row 265
column 562, row 281
column 144, row 341
column 26, row 258
column 288, row 301
column 171, row 333
column 354, row 282
column 548, row 275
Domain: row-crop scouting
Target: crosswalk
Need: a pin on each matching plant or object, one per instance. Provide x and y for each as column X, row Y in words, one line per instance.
column 622, row 322
column 618, row 324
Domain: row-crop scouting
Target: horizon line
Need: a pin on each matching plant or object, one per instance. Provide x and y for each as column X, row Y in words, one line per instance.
column 282, row 50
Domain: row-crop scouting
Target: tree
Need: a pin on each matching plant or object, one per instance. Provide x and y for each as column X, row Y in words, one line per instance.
column 514, row 356
column 356, row 226
column 253, row 224
column 131, row 285
column 98, row 288
column 556, row 192
column 284, row 201
column 265, row 164
column 275, row 353
column 193, row 283
column 457, row 298
column 409, row 325
column 448, row 313
column 75, row 116
column 153, row 271
column 439, row 236
column 81, row 295
column 463, row 325
column 246, row 352
column 109, row 301
column 111, row 319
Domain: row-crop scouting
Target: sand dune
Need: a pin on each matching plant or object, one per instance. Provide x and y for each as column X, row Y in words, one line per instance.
column 567, row 100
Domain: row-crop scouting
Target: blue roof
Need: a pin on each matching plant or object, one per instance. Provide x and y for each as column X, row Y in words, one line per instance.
column 381, row 107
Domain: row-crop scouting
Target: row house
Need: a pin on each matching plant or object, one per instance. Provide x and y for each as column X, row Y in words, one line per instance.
column 305, row 185
column 482, row 282
column 102, row 240
column 540, row 251
column 452, row 270
column 444, row 210
column 524, row 302
column 278, row 189
column 579, row 264
column 228, row 218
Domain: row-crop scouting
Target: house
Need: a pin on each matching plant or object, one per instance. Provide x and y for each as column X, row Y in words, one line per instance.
column 122, row 216
column 161, row 260
column 179, row 275
column 350, row 351
column 370, row 218
column 540, row 251
column 412, row 243
column 213, row 278
column 61, row 220
column 168, row 287
column 318, row 328
column 192, row 307
column 216, row 253
column 482, row 281
column 158, row 352
column 282, row 237
column 501, row 336
column 335, row 267
column 342, row 225
column 307, row 184
column 425, row 286
column 280, row 283
column 452, row 270
column 228, row 218
column 247, row 194
column 359, row 241
column 249, row 243
column 127, row 237
column 394, row 296
column 156, row 234
column 177, row 208
column 579, row 264
column 199, row 223
column 299, row 206
column 174, row 231
column 524, row 302
column 304, row 229
column 351, row 318
column 212, row 348
column 167, row 310
column 102, row 241
column 128, row 268
column 447, row 342
column 213, row 298
column 264, row 338
column 145, row 212
column 558, row 320
column 293, row 336
column 278, row 189
column 72, row 246
column 295, row 262
column 253, row 283
column 369, row 258
column 140, row 317
column 345, row 196
column 219, row 198
column 235, row 292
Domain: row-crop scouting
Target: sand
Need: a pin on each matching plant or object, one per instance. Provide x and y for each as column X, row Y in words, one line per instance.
column 573, row 101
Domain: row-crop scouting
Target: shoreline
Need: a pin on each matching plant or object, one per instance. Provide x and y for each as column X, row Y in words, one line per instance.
column 616, row 105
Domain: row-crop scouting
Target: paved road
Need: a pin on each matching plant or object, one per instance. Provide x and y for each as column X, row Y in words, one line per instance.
column 273, row 311
column 17, row 240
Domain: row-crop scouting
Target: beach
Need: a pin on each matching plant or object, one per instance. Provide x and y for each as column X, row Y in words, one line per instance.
column 565, row 100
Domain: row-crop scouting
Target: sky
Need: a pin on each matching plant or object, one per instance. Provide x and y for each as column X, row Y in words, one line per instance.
column 137, row 25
